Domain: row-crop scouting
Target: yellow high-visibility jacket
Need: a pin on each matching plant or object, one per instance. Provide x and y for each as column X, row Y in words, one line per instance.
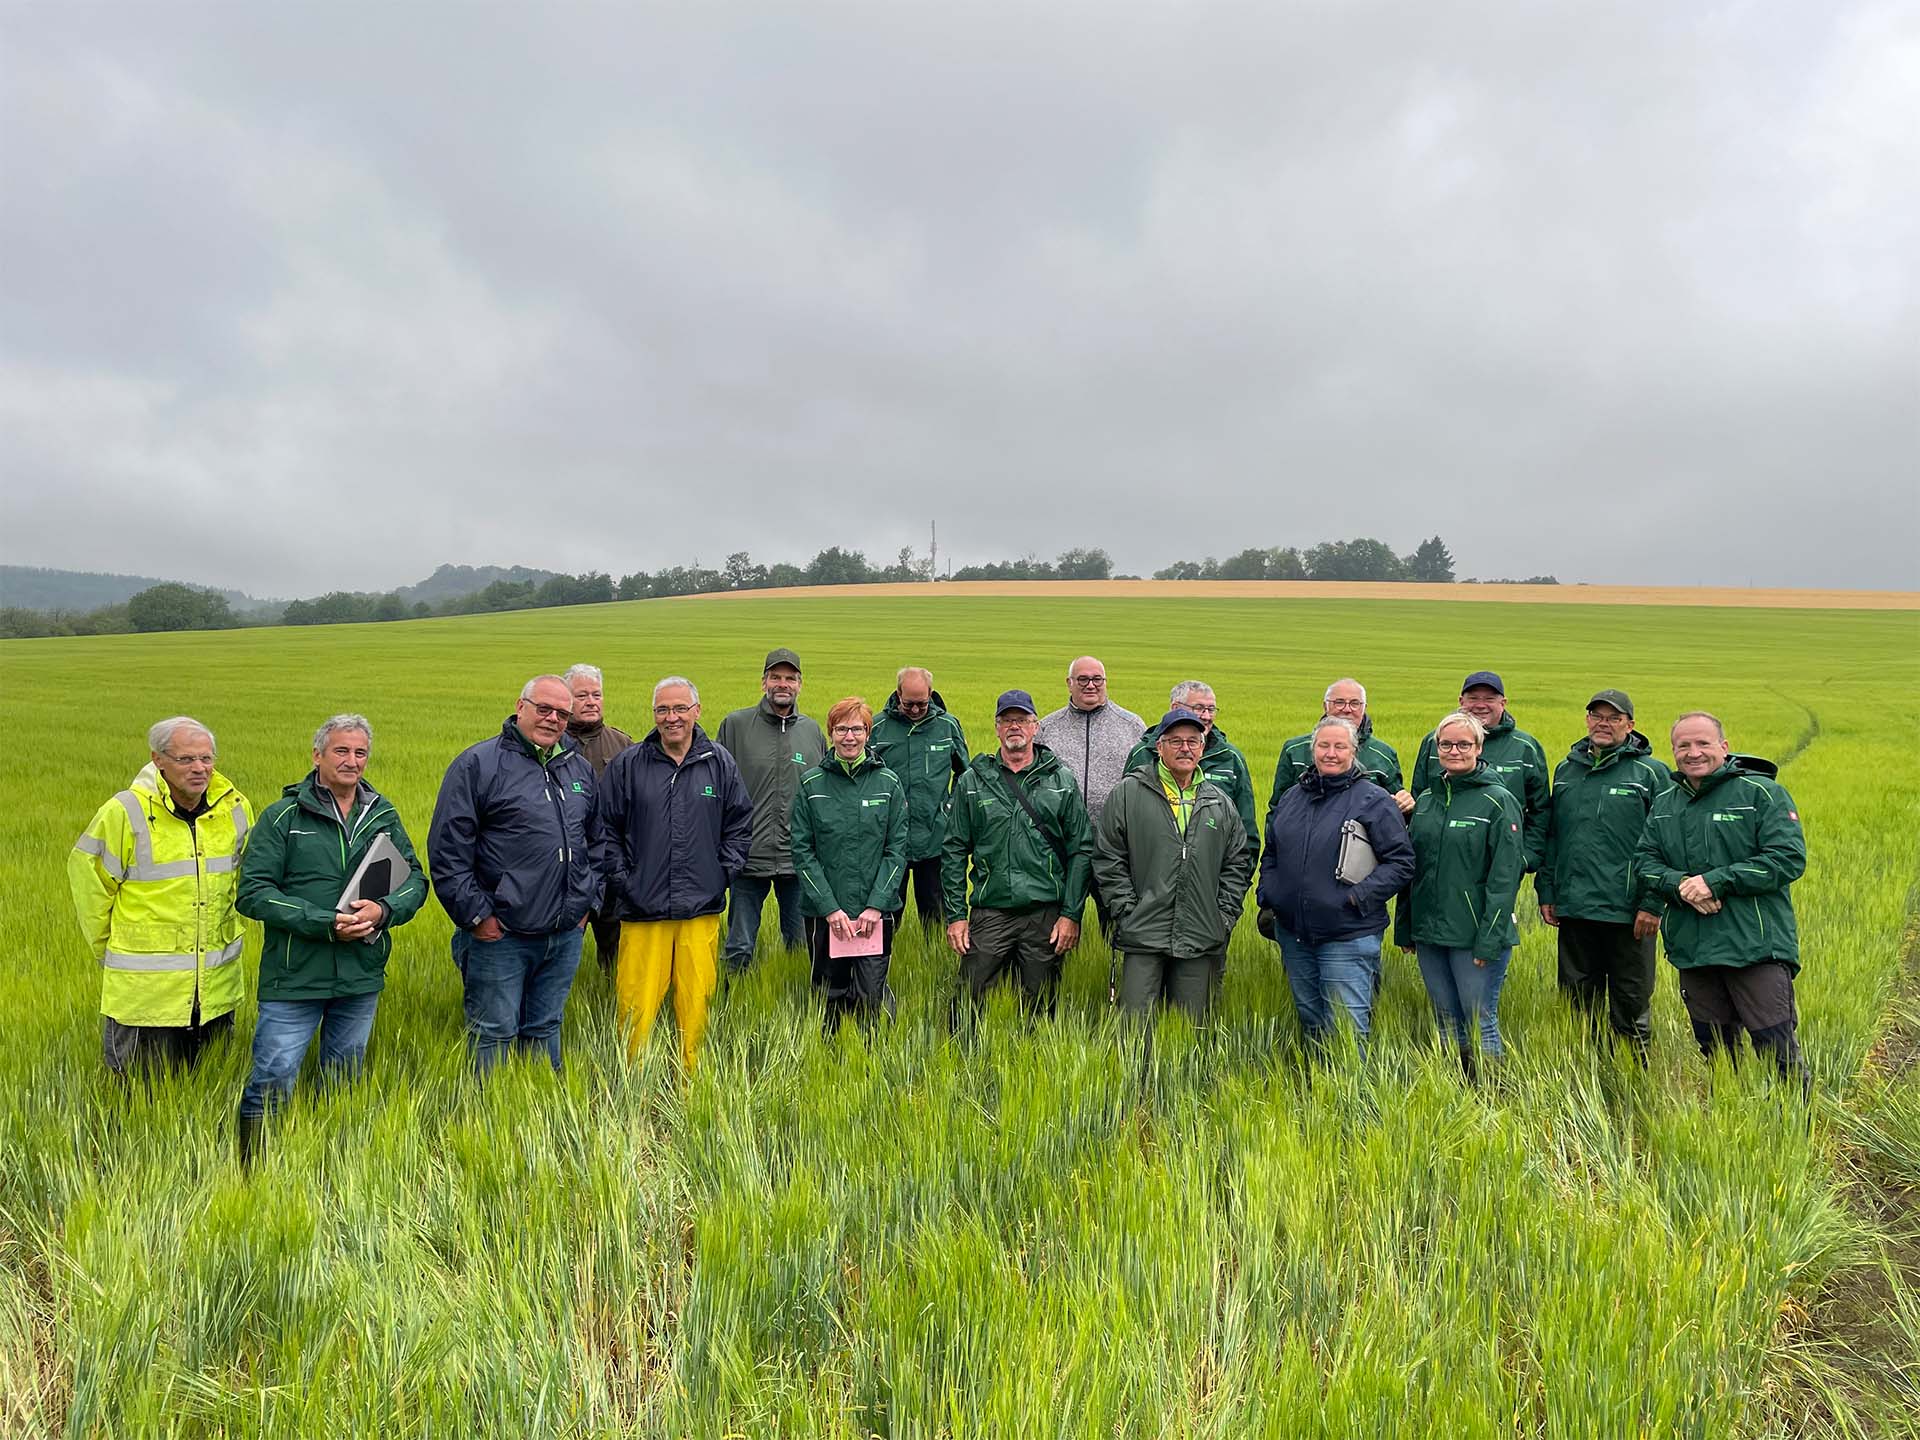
column 154, row 896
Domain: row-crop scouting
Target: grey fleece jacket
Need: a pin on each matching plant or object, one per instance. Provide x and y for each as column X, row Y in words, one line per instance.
column 1094, row 745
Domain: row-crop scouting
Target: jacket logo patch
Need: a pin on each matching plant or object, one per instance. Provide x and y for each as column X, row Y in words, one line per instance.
column 798, row 758
column 1212, row 824
column 1722, row 815
column 1620, row 790
column 706, row 790
column 578, row 788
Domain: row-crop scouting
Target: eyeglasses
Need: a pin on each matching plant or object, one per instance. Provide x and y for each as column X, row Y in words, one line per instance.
column 549, row 712
column 847, row 732
column 912, row 706
column 1333, row 705
column 1089, row 682
column 1014, row 722
column 206, row 760
column 1199, row 709
column 1182, row 742
column 1456, row 747
column 671, row 712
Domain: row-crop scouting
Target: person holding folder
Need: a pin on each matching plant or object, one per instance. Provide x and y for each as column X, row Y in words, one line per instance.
column 329, row 871
column 1336, row 850
column 849, row 827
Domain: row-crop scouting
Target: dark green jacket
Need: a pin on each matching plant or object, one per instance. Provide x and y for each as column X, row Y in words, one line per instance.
column 772, row 752
column 1519, row 764
column 1377, row 760
column 849, row 837
column 1014, row 866
column 1600, row 805
column 1171, row 894
column 928, row 755
column 1221, row 763
column 298, row 859
column 1467, row 864
column 1740, row 832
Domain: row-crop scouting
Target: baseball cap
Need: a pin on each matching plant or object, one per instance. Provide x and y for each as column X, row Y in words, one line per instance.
column 780, row 656
column 1483, row 677
column 1180, row 715
column 1616, row 698
column 1013, row 700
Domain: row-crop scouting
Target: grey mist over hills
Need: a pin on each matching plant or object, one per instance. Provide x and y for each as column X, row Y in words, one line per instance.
column 32, row 588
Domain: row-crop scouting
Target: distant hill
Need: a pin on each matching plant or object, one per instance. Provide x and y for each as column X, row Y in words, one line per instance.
column 450, row 582
column 32, row 588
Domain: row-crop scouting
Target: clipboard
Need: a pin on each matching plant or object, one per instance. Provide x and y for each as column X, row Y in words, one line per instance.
column 382, row 870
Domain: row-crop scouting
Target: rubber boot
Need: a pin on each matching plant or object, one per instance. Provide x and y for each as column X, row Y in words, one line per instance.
column 247, row 1139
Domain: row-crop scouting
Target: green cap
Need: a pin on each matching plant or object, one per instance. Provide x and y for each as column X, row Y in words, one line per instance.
column 781, row 656
column 1616, row 698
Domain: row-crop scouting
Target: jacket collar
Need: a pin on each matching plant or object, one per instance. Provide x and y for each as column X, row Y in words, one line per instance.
column 1315, row 783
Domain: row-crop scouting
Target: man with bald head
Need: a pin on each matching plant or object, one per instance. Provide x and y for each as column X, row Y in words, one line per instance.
column 153, row 878
column 1093, row 737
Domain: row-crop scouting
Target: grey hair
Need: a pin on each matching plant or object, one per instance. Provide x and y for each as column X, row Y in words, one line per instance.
column 345, row 721
column 692, row 689
column 1460, row 717
column 526, row 690
column 1328, row 721
column 1187, row 688
column 1700, row 715
column 900, row 677
column 1345, row 680
column 161, row 735
column 592, row 672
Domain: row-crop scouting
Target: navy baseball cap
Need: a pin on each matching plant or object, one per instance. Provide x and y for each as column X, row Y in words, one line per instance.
column 1013, row 700
column 1180, row 715
column 1483, row 677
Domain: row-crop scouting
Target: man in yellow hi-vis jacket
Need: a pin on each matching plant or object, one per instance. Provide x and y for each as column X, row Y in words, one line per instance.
column 153, row 880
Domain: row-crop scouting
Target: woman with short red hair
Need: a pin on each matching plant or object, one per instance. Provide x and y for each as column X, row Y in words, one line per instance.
column 849, row 829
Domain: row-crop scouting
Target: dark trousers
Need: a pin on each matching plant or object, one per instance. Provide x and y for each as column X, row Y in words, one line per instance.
column 606, row 941
column 1101, row 909
column 854, row 984
column 1187, row 982
column 147, row 1050
column 1016, row 943
column 745, row 900
column 1603, row 967
column 925, row 875
column 1725, row 1000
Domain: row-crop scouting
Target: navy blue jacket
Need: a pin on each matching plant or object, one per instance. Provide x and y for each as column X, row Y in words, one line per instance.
column 678, row 834
column 516, row 839
column 1303, row 845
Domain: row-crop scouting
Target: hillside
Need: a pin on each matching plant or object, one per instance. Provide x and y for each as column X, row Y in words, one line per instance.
column 32, row 588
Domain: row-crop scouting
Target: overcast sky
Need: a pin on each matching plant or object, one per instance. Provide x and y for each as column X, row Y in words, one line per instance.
column 305, row 297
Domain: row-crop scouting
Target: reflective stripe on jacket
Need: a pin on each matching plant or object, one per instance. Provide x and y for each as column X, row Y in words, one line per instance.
column 154, row 896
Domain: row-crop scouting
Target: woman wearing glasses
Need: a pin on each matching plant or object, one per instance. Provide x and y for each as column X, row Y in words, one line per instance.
column 849, row 828
column 1458, row 915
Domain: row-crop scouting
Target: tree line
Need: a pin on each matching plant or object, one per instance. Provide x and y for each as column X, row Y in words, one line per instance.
column 173, row 606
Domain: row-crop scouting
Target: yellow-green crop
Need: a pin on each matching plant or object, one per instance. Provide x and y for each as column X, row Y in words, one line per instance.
column 1034, row 1230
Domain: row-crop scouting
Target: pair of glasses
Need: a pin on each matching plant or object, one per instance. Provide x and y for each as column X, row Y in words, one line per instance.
column 672, row 712
column 206, row 760
column 550, row 712
column 847, row 732
column 1333, row 705
column 1456, row 747
column 1089, row 682
column 1181, row 742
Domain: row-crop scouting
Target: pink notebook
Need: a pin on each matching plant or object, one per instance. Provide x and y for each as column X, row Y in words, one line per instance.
column 872, row 943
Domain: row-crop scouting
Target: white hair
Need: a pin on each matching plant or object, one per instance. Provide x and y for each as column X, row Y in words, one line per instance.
column 1345, row 680
column 1186, row 689
column 1701, row 715
column 925, row 674
column 1460, row 717
column 692, row 689
column 160, row 736
column 1325, row 721
column 526, row 690
column 591, row 672
column 346, row 721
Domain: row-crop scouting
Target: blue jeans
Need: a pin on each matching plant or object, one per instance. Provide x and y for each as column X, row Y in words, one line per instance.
column 516, row 991
column 1465, row 996
column 1333, row 972
column 285, row 1030
column 745, row 900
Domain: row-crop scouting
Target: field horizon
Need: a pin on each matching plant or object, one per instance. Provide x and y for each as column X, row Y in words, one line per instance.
column 1027, row 1229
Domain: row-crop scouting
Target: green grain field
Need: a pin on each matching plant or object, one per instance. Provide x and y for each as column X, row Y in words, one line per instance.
column 1046, row 1230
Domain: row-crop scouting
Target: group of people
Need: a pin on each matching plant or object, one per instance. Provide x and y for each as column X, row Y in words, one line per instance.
column 562, row 823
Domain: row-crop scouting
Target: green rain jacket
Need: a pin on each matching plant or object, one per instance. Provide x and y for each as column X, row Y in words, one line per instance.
column 1518, row 763
column 849, row 837
column 1740, row 832
column 772, row 752
column 1014, row 866
column 1600, row 805
column 1221, row 764
column 1467, row 864
column 1171, row 894
column 928, row 755
column 298, row 859
column 1377, row 760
